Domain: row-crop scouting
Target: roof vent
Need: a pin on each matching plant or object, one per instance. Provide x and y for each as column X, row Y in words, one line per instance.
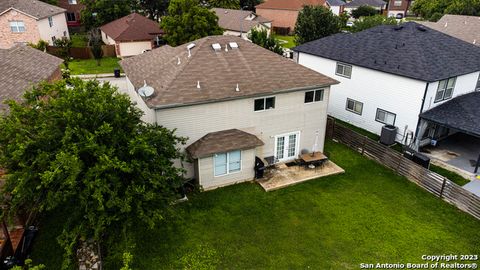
column 191, row 46
column 216, row 46
column 198, row 85
column 233, row 45
column 421, row 28
column 237, row 89
column 398, row 27
column 146, row 91
column 178, row 61
column 226, row 48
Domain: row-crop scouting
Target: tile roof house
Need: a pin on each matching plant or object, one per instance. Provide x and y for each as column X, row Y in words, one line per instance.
column 284, row 13
column 23, row 21
column 21, row 68
column 223, row 94
column 240, row 22
column 132, row 34
column 73, row 11
column 466, row 28
column 391, row 74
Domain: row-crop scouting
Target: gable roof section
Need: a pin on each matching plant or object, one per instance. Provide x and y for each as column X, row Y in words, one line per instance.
column 133, row 27
column 21, row 68
column 289, row 4
column 335, row 3
column 221, row 142
column 234, row 19
column 409, row 50
column 372, row 3
column 34, row 8
column 462, row 113
column 466, row 28
column 256, row 70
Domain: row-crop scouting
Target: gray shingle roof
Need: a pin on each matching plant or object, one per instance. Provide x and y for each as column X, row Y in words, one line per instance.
column 462, row 113
column 234, row 19
column 466, row 28
column 410, row 50
column 256, row 70
column 34, row 8
column 334, row 3
column 21, row 68
column 373, row 3
column 223, row 141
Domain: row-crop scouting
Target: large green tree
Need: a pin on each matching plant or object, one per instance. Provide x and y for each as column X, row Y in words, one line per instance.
column 187, row 20
column 434, row 9
column 154, row 9
column 316, row 22
column 232, row 4
column 99, row 12
column 249, row 4
column 364, row 11
column 261, row 38
column 371, row 21
column 84, row 149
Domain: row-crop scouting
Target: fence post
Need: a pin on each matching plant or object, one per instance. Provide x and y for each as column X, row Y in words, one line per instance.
column 399, row 164
column 363, row 144
column 443, row 186
column 333, row 127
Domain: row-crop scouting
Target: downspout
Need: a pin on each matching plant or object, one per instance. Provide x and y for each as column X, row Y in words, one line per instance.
column 421, row 110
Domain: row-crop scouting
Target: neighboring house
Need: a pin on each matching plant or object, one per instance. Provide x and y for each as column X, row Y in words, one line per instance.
column 392, row 74
column 23, row 21
column 73, row 11
column 132, row 34
column 22, row 67
column 379, row 5
column 241, row 22
column 222, row 93
column 336, row 6
column 466, row 28
column 399, row 8
column 284, row 13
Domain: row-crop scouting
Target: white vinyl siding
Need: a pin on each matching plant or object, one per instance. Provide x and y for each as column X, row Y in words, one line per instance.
column 385, row 117
column 344, row 70
column 263, row 104
column 226, row 163
column 313, row 96
column 354, row 106
column 445, row 89
column 477, row 88
column 17, row 26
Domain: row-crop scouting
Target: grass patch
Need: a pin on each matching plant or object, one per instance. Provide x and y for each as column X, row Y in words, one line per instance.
column 455, row 177
column 286, row 41
column 367, row 215
column 89, row 66
column 79, row 40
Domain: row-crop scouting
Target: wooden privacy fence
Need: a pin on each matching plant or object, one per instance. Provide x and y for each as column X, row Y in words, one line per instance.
column 430, row 181
column 84, row 52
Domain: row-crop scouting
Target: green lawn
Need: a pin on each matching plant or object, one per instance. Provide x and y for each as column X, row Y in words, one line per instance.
column 369, row 214
column 89, row 66
column 458, row 179
column 79, row 40
column 286, row 41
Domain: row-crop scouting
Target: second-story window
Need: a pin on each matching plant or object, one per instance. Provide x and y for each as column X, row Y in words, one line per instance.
column 17, row 26
column 71, row 17
column 344, row 70
column 314, row 96
column 263, row 104
column 50, row 21
column 445, row 89
column 72, row 2
column 397, row 3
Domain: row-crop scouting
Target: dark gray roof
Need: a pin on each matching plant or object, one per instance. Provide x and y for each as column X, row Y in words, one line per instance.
column 34, row 8
column 409, row 50
column 462, row 113
column 373, row 3
column 334, row 3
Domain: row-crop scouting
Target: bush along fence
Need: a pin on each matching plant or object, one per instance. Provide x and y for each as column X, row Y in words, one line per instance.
column 84, row 52
column 430, row 181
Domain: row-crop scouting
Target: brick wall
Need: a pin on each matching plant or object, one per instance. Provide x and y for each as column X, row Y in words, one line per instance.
column 280, row 18
column 8, row 39
column 77, row 9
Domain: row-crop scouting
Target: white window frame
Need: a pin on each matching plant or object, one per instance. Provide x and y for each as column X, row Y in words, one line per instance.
column 344, row 68
column 50, row 21
column 354, row 105
column 228, row 172
column 386, row 114
column 17, row 25
column 397, row 3
column 69, row 14
column 444, row 90
column 297, row 146
column 265, row 103
column 322, row 94
column 477, row 88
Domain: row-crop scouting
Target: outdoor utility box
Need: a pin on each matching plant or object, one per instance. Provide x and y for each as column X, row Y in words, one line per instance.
column 116, row 72
column 418, row 158
column 259, row 168
column 388, row 134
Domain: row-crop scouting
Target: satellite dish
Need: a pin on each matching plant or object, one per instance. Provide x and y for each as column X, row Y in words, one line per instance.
column 146, row 91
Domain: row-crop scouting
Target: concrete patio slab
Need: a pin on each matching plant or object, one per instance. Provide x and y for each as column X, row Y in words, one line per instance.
column 283, row 176
column 474, row 187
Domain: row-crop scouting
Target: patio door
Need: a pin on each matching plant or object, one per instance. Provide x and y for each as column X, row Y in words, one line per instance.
column 286, row 146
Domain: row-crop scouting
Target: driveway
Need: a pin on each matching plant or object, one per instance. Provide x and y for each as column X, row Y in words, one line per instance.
column 120, row 83
column 474, row 187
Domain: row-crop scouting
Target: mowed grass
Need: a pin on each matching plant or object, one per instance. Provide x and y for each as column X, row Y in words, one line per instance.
column 90, row 66
column 367, row 215
column 286, row 41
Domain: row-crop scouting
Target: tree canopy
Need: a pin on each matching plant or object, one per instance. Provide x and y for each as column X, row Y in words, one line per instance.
column 364, row 11
column 99, row 12
column 261, row 38
column 154, row 9
column 232, row 4
column 371, row 21
column 187, row 20
column 316, row 22
column 84, row 149
column 434, row 9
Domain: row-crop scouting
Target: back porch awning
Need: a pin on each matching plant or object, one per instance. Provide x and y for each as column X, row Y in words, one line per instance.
column 461, row 113
column 223, row 141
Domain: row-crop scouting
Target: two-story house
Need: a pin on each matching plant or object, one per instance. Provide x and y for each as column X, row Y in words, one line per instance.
column 399, row 8
column 73, row 11
column 24, row 21
column 234, row 101
column 240, row 23
column 392, row 74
